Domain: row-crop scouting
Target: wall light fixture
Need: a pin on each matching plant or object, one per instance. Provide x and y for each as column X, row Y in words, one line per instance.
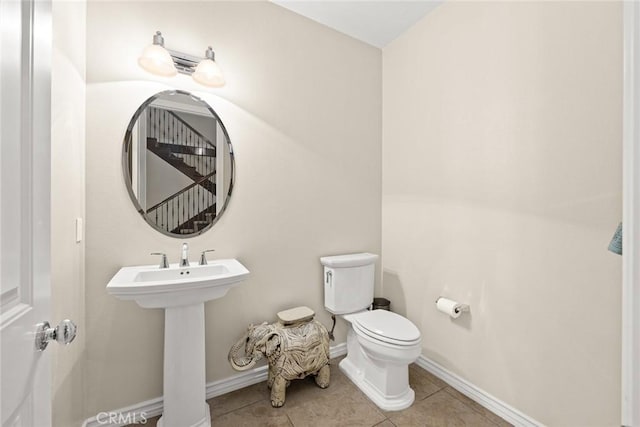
column 160, row 61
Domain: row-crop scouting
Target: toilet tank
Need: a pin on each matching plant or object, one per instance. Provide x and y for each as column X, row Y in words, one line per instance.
column 348, row 282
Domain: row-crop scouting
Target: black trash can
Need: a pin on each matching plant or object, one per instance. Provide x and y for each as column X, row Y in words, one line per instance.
column 381, row 304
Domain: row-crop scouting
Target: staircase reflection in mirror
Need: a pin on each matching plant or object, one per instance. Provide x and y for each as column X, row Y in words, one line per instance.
column 178, row 163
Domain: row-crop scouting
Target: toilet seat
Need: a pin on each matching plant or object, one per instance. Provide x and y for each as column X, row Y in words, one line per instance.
column 386, row 326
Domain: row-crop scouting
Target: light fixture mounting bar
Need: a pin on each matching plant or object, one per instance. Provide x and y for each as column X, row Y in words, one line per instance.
column 185, row 63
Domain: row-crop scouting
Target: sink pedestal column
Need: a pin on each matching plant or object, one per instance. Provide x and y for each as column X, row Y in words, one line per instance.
column 184, row 368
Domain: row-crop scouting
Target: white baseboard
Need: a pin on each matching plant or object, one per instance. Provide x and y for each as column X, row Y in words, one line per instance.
column 151, row 408
column 338, row 350
column 495, row 405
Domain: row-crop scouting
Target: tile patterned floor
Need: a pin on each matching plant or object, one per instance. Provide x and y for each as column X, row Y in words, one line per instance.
column 343, row 405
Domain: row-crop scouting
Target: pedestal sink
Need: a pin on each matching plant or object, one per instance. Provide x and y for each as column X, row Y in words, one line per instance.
column 182, row 292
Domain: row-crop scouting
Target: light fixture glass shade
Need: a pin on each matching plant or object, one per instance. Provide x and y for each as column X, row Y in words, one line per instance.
column 208, row 73
column 156, row 60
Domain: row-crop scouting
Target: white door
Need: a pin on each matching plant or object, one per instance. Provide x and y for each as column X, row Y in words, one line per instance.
column 25, row 58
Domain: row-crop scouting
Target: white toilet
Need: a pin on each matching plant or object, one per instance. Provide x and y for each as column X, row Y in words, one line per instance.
column 380, row 344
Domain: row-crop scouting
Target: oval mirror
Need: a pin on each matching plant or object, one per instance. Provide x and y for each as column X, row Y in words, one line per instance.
column 178, row 163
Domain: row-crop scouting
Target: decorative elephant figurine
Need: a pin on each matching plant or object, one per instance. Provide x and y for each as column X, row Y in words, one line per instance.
column 294, row 352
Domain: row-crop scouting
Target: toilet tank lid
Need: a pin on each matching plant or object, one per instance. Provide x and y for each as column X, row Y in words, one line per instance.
column 349, row 260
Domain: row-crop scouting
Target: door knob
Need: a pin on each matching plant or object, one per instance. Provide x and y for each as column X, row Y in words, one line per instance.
column 64, row 333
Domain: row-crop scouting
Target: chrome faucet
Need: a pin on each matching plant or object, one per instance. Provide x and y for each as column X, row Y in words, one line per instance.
column 163, row 262
column 203, row 256
column 184, row 260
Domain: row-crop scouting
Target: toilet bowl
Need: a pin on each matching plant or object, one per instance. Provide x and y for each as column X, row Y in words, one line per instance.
column 380, row 346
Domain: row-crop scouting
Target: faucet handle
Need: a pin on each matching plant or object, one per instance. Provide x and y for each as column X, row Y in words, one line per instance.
column 203, row 257
column 163, row 262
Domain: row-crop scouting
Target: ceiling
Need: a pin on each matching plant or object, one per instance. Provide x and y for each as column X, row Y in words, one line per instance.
column 374, row 22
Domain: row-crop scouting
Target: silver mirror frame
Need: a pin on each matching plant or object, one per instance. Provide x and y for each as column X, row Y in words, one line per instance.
column 126, row 147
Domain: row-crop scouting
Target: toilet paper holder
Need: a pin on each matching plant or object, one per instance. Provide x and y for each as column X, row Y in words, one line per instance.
column 461, row 309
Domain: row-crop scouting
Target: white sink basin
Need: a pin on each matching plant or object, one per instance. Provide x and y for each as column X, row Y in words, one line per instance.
column 153, row 287
column 182, row 292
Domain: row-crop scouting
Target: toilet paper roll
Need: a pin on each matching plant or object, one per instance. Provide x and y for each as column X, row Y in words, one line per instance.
column 450, row 307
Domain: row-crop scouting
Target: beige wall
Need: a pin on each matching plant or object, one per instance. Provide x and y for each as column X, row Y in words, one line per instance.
column 303, row 110
column 501, row 189
column 67, row 204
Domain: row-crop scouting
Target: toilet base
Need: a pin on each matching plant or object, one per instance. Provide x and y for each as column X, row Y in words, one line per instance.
column 386, row 403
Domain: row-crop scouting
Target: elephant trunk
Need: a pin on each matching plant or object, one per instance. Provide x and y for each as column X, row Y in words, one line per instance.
column 238, row 358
